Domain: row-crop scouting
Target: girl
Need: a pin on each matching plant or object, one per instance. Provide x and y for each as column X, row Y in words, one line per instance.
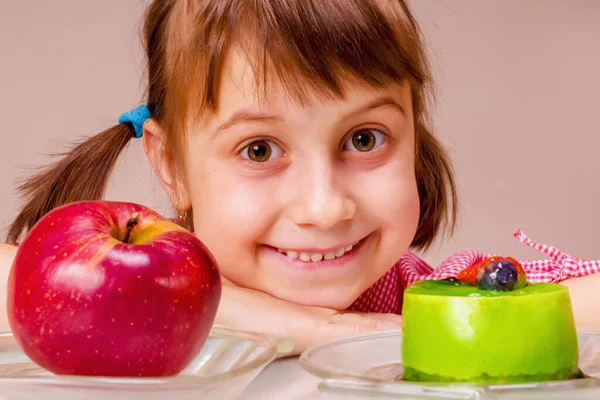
column 291, row 138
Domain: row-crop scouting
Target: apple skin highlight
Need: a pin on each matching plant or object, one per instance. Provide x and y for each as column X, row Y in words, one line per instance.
column 112, row 289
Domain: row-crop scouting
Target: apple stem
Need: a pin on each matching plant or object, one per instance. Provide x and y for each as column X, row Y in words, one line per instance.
column 131, row 223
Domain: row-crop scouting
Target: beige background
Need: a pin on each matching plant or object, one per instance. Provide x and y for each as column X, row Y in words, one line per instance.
column 519, row 89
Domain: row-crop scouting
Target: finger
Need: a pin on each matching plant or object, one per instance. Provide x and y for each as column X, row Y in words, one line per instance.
column 342, row 325
column 227, row 282
column 395, row 318
column 368, row 321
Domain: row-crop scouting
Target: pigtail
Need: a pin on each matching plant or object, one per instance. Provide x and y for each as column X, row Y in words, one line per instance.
column 81, row 174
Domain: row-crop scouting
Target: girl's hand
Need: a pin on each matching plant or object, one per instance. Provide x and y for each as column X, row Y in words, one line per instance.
column 251, row 310
column 585, row 300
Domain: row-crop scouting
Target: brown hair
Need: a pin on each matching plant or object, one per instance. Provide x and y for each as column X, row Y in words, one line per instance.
column 313, row 47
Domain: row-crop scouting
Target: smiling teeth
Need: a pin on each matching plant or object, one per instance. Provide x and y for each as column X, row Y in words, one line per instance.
column 291, row 254
column 316, row 257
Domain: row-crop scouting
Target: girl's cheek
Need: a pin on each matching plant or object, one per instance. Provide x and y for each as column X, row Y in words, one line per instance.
column 390, row 192
column 233, row 211
column 231, row 214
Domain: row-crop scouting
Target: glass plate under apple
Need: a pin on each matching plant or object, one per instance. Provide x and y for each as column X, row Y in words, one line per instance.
column 370, row 366
column 228, row 362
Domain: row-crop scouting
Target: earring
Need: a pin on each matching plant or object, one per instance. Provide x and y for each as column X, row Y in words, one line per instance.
column 182, row 215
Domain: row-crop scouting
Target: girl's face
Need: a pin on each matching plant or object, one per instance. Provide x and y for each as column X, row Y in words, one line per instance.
column 310, row 203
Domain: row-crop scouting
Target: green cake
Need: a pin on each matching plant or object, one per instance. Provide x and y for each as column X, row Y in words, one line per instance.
column 472, row 331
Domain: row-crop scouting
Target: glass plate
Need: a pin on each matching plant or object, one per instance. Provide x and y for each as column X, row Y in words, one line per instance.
column 367, row 366
column 228, row 362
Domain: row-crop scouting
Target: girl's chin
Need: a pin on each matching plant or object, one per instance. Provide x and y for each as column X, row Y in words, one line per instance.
column 332, row 298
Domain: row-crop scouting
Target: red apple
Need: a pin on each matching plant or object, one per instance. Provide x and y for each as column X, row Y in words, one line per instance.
column 112, row 289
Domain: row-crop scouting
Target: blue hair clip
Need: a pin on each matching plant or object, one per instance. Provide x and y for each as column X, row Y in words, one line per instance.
column 136, row 117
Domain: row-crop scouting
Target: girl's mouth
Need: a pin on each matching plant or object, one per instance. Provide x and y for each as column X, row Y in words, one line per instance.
column 315, row 259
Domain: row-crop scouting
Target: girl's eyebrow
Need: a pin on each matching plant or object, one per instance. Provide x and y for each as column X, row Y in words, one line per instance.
column 252, row 116
column 376, row 103
column 246, row 116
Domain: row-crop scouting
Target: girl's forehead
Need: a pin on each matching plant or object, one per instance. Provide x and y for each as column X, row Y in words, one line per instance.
column 241, row 89
column 270, row 53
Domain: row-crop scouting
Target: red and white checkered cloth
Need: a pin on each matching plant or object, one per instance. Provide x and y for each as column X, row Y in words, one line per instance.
column 385, row 296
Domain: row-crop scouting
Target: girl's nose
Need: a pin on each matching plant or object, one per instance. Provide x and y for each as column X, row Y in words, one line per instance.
column 322, row 199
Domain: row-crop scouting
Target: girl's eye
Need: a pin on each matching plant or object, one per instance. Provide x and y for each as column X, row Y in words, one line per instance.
column 365, row 140
column 261, row 151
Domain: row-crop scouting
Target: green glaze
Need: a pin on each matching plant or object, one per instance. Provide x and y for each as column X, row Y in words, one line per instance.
column 458, row 332
column 567, row 373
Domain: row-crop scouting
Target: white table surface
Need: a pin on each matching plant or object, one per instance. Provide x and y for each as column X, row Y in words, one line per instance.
column 284, row 379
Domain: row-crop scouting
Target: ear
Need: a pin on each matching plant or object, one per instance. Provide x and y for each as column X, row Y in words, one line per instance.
column 154, row 137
